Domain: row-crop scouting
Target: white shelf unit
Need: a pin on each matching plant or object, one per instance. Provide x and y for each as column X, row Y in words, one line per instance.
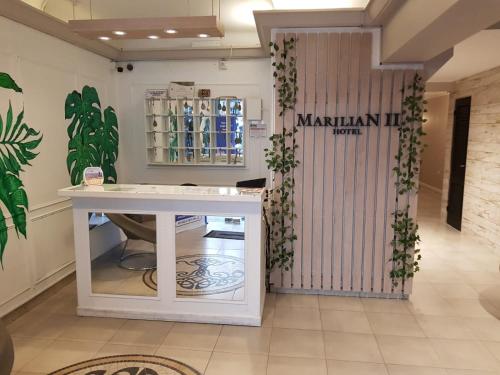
column 195, row 131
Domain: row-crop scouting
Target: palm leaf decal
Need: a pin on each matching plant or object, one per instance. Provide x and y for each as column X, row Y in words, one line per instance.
column 7, row 82
column 92, row 141
column 17, row 148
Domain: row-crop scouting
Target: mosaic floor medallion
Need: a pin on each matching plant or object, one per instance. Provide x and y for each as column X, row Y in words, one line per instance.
column 204, row 274
column 128, row 365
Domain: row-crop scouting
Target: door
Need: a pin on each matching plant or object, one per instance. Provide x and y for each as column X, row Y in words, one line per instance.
column 458, row 161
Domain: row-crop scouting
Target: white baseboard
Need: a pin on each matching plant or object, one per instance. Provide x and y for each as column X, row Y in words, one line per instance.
column 430, row 187
column 38, row 288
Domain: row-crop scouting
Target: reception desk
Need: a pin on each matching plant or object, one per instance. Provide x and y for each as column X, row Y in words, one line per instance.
column 211, row 271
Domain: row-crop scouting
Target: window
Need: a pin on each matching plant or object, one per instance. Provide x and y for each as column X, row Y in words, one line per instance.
column 199, row 131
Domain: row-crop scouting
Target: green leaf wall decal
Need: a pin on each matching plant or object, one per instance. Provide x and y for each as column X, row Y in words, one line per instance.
column 17, row 145
column 7, row 82
column 93, row 139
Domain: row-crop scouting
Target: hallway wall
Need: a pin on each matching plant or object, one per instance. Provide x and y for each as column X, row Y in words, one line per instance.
column 431, row 172
column 481, row 210
column 47, row 69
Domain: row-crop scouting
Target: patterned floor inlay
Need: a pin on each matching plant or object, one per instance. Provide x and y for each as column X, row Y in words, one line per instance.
column 128, row 365
column 205, row 274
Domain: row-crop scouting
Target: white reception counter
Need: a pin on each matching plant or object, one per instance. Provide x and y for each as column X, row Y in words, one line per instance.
column 211, row 270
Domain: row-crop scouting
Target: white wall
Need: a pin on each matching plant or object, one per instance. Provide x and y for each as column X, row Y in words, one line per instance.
column 244, row 78
column 431, row 171
column 47, row 69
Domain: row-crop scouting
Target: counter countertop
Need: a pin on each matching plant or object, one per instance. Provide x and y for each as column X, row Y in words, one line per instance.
column 169, row 192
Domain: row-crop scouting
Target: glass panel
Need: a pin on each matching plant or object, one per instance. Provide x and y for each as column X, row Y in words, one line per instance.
column 210, row 257
column 172, row 131
column 123, row 253
column 188, row 131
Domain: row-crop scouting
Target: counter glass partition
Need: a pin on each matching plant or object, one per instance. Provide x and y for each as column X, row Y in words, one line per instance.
column 210, row 257
column 123, row 253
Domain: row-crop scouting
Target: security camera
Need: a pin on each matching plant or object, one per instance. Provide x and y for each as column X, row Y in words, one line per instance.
column 119, row 69
column 130, row 67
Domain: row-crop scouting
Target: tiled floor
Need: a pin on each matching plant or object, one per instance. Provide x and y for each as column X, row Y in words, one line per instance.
column 194, row 252
column 448, row 327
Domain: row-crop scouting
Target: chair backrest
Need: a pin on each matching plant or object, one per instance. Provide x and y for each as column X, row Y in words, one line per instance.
column 255, row 183
column 133, row 229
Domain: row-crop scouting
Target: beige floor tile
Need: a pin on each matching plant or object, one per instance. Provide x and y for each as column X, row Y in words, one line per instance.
column 355, row 347
column 267, row 316
column 414, row 370
column 193, row 336
column 295, row 366
column 234, row 339
column 430, row 305
column 297, row 343
column 62, row 353
column 493, row 347
column 241, row 364
column 297, row 317
column 121, row 349
column 26, row 349
column 465, row 354
column 93, row 329
column 471, row 308
column 296, row 300
column 142, row 332
column 444, row 327
column 455, row 290
column 385, row 305
column 355, row 368
column 415, row 351
column 394, row 324
column 469, row 372
column 270, row 299
column 197, row 359
column 340, row 303
column 345, row 321
column 49, row 326
column 484, row 328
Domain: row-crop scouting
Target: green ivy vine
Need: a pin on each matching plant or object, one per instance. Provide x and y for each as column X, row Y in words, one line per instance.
column 405, row 254
column 280, row 159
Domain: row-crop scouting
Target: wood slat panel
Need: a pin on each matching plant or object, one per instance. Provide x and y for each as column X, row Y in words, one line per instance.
column 360, row 181
column 340, row 143
column 381, row 219
column 371, row 177
column 319, row 159
column 397, row 88
column 350, row 163
column 307, row 198
column 332, row 79
column 299, row 171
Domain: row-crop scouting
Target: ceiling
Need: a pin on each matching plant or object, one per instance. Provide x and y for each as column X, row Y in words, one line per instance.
column 236, row 17
column 473, row 55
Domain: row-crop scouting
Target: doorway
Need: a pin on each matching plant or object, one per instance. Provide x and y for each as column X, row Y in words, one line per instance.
column 458, row 162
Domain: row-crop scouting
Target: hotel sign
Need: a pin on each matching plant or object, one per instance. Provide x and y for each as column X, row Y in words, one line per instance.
column 349, row 124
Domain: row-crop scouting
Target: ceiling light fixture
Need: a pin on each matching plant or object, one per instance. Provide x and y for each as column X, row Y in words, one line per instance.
column 318, row 4
column 104, row 38
column 171, row 31
column 153, row 37
column 203, row 35
column 119, row 33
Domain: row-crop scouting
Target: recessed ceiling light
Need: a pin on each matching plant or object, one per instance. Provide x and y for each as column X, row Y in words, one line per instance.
column 203, row 35
column 120, row 33
column 319, row 4
column 104, row 38
column 153, row 37
column 171, row 31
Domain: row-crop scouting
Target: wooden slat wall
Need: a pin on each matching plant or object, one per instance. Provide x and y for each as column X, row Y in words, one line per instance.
column 344, row 184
